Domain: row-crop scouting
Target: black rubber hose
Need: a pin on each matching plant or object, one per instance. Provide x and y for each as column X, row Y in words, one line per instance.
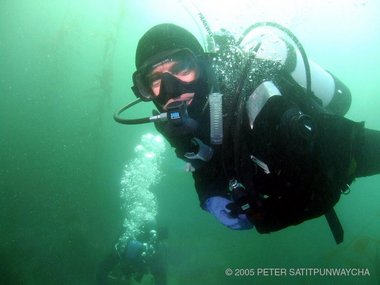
column 121, row 120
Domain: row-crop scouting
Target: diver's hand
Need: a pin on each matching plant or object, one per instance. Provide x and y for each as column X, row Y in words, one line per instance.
column 235, row 210
column 220, row 208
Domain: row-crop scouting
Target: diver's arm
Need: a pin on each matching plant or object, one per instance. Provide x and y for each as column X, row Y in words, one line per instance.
column 211, row 186
column 158, row 266
column 105, row 267
column 209, row 181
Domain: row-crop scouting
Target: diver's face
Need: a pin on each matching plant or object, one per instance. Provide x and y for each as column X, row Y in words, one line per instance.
column 181, row 71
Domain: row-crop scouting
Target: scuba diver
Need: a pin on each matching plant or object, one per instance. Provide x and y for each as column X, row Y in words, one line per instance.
column 140, row 248
column 135, row 257
column 262, row 126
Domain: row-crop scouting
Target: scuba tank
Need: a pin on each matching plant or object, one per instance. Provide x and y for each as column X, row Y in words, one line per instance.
column 331, row 93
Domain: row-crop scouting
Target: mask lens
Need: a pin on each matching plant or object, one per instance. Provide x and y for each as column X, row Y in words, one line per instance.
column 140, row 87
column 184, row 61
column 144, row 79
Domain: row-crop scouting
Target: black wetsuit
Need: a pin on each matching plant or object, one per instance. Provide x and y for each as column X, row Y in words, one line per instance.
column 307, row 175
column 306, row 179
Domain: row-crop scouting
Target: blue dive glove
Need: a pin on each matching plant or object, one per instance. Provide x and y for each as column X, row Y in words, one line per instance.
column 218, row 207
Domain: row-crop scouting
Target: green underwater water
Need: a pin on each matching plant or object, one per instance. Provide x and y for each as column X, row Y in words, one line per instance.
column 66, row 66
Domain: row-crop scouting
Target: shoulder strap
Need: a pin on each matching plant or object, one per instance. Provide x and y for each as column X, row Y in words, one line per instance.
column 335, row 225
column 234, row 121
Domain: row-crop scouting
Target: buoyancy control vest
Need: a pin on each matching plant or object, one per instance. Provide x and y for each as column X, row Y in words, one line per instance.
column 300, row 160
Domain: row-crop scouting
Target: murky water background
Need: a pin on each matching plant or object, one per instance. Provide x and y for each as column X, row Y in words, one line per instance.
column 66, row 66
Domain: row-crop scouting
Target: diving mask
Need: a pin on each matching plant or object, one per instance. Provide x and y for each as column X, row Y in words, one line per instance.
column 144, row 79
